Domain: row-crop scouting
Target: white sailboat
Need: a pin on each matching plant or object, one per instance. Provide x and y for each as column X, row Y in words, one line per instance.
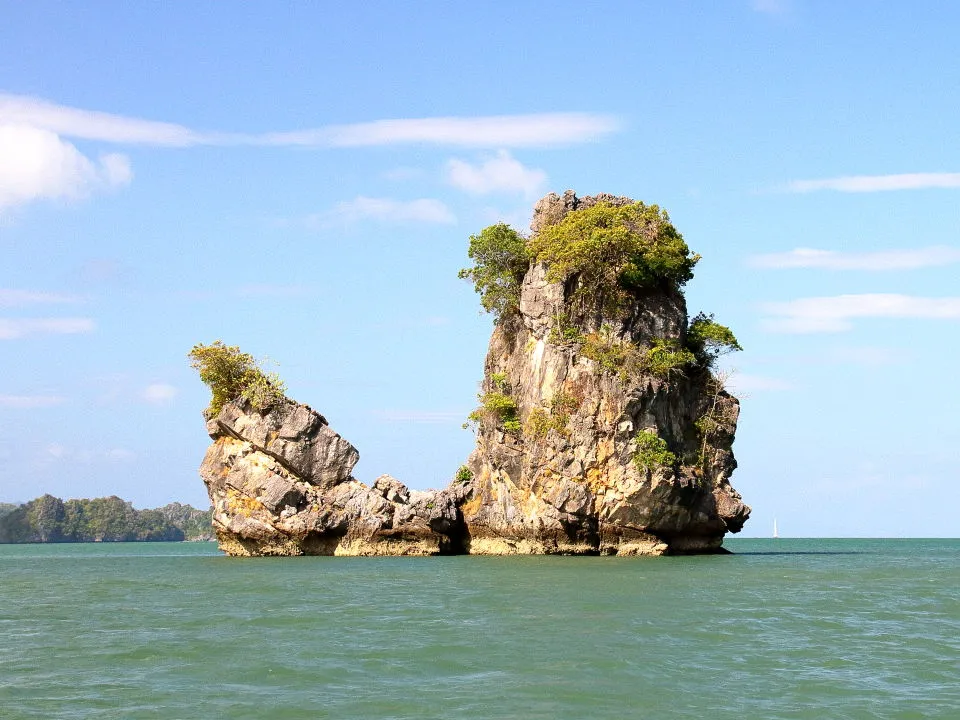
column 776, row 533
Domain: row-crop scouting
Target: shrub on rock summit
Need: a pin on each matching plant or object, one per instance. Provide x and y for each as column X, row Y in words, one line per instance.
column 232, row 375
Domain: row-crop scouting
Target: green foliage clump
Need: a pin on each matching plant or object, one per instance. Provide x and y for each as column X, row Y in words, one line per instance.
column 498, row 409
column 603, row 348
column 718, row 414
column 232, row 375
column 500, row 383
column 563, row 331
column 663, row 358
column 708, row 339
column 463, row 475
column 666, row 357
column 615, row 249
column 500, row 260
column 563, row 402
column 652, row 452
column 540, row 422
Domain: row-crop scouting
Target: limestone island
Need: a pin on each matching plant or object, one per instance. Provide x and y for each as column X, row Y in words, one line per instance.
column 603, row 426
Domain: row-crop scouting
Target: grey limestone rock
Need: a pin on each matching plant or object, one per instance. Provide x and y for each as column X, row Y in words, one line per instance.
column 575, row 487
column 280, row 483
column 280, row 479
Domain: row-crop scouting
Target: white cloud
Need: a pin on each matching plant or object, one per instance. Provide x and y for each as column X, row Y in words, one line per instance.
column 29, row 402
column 14, row 328
column 881, row 260
column 499, row 173
column 38, row 164
column 420, row 416
column 424, row 210
column 19, row 298
column 159, row 393
column 533, row 130
column 878, row 183
column 537, row 130
column 834, row 314
column 92, row 125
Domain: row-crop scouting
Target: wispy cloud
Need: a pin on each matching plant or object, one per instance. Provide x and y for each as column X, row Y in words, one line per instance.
column 531, row 130
column 501, row 173
column 877, row 183
column 420, row 416
column 536, row 130
column 18, row 298
column 92, row 125
column 30, row 402
column 385, row 210
column 37, row 164
column 835, row 314
column 15, row 328
column 910, row 259
column 159, row 393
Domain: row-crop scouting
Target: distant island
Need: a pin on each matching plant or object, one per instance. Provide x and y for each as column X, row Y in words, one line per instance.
column 48, row 519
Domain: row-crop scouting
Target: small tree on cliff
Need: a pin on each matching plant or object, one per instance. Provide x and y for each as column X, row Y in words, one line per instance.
column 500, row 260
column 709, row 339
column 232, row 375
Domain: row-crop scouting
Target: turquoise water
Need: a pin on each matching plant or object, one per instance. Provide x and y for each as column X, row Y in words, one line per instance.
column 783, row 629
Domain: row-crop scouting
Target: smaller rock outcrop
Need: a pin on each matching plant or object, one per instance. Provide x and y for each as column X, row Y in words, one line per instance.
column 280, row 482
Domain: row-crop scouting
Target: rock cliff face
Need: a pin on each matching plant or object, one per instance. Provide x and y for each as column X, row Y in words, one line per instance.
column 280, row 484
column 571, row 483
column 572, row 473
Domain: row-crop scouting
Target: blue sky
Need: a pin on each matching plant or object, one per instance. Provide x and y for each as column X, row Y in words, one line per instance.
column 301, row 179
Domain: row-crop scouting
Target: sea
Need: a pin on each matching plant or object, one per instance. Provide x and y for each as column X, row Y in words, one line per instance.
column 786, row 628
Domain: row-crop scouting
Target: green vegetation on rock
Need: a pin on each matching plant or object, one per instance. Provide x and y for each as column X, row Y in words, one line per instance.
column 666, row 357
column 498, row 409
column 615, row 249
column 232, row 375
column 109, row 519
column 708, row 339
column 652, row 452
column 500, row 260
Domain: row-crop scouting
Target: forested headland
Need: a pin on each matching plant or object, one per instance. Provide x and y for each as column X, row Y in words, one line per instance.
column 49, row 519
